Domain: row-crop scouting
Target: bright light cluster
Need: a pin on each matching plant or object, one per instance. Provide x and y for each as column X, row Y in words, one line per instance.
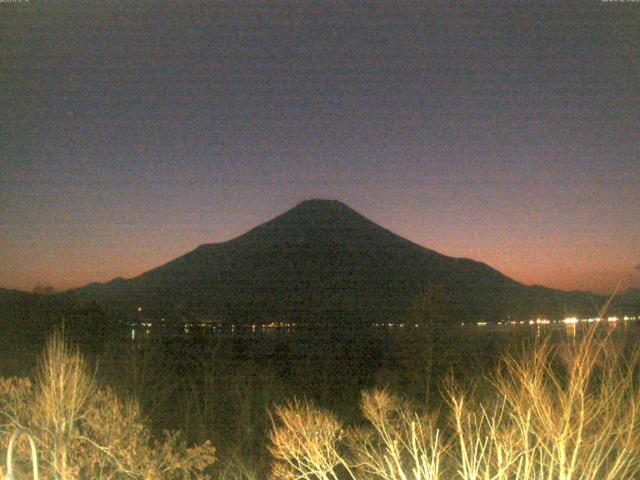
column 539, row 321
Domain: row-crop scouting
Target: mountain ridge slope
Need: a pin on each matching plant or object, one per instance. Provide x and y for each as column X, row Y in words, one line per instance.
column 322, row 261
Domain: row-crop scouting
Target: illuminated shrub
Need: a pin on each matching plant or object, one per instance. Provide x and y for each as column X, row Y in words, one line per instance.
column 83, row 430
column 570, row 412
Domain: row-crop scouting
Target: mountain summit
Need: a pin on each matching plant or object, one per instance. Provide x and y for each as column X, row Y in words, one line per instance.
column 319, row 221
column 323, row 262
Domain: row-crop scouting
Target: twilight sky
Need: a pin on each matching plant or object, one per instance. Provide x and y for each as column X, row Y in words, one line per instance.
column 131, row 132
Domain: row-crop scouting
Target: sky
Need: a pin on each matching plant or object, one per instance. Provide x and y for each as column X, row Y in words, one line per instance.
column 132, row 132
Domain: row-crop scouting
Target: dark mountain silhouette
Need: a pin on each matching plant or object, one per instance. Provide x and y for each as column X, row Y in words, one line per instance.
column 628, row 301
column 8, row 295
column 324, row 262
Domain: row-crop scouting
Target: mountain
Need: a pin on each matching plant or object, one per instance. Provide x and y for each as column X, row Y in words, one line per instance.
column 324, row 262
column 7, row 295
column 628, row 301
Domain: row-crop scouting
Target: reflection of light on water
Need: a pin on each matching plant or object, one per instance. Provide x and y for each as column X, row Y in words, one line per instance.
column 571, row 330
column 133, row 334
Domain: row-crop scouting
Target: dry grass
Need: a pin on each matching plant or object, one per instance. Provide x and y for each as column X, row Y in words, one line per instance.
column 569, row 412
column 307, row 443
column 574, row 411
column 399, row 443
column 83, row 430
column 566, row 412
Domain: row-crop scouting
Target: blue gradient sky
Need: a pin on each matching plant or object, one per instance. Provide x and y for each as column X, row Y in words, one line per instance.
column 132, row 132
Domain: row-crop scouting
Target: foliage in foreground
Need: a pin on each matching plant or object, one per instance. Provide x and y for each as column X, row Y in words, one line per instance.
column 83, row 430
column 567, row 412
